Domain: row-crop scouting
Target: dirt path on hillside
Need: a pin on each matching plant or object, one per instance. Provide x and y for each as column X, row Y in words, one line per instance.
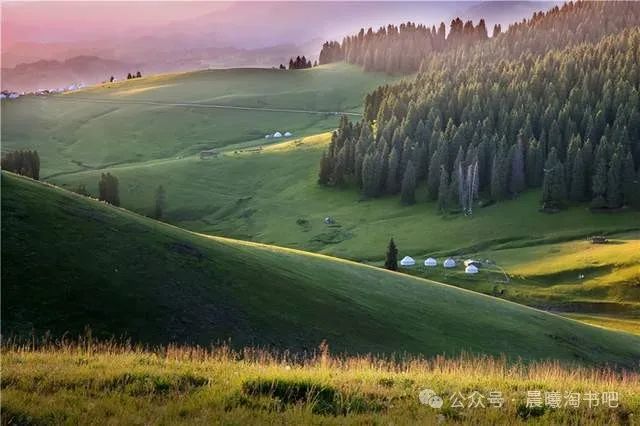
column 199, row 105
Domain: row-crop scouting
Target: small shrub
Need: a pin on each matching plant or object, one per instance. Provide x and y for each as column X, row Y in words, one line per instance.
column 386, row 382
column 525, row 412
column 322, row 397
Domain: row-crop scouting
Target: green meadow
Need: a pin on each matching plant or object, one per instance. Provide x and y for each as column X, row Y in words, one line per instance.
column 159, row 117
column 150, row 131
column 124, row 275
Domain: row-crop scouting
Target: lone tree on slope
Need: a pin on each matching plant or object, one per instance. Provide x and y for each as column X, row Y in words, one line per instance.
column 391, row 262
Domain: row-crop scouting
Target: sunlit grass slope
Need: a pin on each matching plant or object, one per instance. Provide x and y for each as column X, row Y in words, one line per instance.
column 80, row 130
column 112, row 385
column 596, row 283
column 69, row 262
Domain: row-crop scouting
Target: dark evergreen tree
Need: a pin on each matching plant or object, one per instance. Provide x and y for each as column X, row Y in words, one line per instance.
column 408, row 192
column 628, row 180
column 391, row 259
column 577, row 192
column 324, row 175
column 25, row 163
column 392, row 172
column 554, row 187
column 517, row 182
column 614, row 181
column 108, row 189
column 599, row 179
column 443, row 191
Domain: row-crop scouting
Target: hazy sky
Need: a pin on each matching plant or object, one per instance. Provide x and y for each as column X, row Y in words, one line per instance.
column 76, row 20
column 73, row 21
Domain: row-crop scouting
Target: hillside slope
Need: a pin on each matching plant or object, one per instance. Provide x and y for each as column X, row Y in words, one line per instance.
column 69, row 262
column 153, row 117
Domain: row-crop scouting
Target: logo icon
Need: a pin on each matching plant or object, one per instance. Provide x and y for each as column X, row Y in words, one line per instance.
column 429, row 397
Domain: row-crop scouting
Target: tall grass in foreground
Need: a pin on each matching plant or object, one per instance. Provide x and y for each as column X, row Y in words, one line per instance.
column 89, row 382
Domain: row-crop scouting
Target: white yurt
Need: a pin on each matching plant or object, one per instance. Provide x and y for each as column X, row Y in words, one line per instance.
column 277, row 135
column 430, row 262
column 407, row 261
column 287, row 134
column 449, row 263
column 471, row 269
column 267, row 136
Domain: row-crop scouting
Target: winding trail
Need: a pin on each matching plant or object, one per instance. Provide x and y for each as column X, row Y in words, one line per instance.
column 200, row 105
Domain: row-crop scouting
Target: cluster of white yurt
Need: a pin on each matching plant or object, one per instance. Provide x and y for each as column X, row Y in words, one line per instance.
column 471, row 269
column 407, row 261
column 449, row 263
column 430, row 262
column 278, row 135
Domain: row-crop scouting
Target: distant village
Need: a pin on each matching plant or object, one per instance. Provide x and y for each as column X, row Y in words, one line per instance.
column 7, row 94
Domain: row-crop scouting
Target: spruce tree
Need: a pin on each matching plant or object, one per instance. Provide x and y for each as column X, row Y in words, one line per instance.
column 325, row 172
column 435, row 171
column 408, row 191
column 577, row 192
column 628, row 179
column 108, row 189
column 391, row 186
column 554, row 188
column 391, row 259
column 614, row 182
column 443, row 190
column 517, row 182
column 599, row 177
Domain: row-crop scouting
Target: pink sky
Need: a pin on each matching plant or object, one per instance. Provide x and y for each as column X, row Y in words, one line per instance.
column 75, row 20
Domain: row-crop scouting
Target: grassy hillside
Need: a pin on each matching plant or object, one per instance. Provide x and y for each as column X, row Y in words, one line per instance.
column 70, row 261
column 599, row 284
column 117, row 385
column 272, row 196
column 150, row 118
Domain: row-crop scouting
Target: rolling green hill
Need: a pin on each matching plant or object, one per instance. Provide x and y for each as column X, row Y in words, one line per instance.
column 171, row 115
column 272, row 196
column 69, row 261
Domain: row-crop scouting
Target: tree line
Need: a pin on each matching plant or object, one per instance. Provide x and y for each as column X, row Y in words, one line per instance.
column 23, row 162
column 299, row 63
column 109, row 192
column 507, row 116
column 401, row 49
column 131, row 76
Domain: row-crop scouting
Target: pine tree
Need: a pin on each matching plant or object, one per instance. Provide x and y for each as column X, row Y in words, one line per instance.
column 517, row 182
column 614, row 182
column 435, row 171
column 577, row 192
column 408, row 192
column 628, row 180
column 391, row 186
column 554, row 187
column 391, row 260
column 599, row 177
column 325, row 172
column 108, row 189
column 443, row 190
